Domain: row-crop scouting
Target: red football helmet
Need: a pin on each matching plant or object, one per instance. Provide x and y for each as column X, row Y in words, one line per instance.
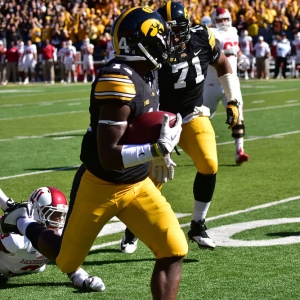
column 50, row 206
column 221, row 18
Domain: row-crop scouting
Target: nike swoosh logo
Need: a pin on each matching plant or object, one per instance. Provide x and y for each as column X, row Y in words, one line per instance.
column 196, row 53
column 142, row 154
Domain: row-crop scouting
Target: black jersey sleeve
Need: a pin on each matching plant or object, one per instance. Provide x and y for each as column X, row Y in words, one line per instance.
column 215, row 51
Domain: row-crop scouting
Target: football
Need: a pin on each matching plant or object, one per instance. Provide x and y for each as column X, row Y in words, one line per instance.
column 146, row 128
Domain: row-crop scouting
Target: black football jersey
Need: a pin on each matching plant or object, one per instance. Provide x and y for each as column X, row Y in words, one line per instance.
column 118, row 83
column 181, row 82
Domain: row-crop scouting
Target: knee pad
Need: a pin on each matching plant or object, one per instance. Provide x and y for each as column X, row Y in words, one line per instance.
column 238, row 127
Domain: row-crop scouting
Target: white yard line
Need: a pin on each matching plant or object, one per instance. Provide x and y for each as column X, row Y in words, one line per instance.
column 120, row 227
column 218, row 144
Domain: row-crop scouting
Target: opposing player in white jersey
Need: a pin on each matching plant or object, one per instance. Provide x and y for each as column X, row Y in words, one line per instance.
column 60, row 58
column 30, row 60
column 109, row 49
column 246, row 46
column 296, row 46
column 87, row 50
column 228, row 41
column 20, row 61
column 18, row 256
column 69, row 62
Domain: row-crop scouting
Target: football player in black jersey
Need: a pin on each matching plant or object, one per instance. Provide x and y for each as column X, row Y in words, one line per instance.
column 181, row 84
column 113, row 179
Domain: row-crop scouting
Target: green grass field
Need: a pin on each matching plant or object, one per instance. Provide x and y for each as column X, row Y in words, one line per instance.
column 254, row 216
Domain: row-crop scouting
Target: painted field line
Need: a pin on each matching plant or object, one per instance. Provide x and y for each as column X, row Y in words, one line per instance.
column 75, row 167
column 66, row 133
column 122, row 226
column 262, row 108
column 44, row 115
column 80, row 111
column 44, row 102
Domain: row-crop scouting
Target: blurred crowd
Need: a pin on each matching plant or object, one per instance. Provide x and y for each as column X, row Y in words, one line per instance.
column 59, row 21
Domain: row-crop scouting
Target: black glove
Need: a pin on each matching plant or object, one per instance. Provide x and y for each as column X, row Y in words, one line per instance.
column 232, row 113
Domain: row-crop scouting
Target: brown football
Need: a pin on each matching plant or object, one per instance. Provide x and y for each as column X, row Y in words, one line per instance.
column 146, row 128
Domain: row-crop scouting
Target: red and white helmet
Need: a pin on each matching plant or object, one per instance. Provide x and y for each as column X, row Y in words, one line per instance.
column 50, row 206
column 221, row 18
column 297, row 36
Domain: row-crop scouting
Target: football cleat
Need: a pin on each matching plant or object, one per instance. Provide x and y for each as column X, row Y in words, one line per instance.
column 94, row 284
column 8, row 222
column 129, row 242
column 198, row 234
column 241, row 157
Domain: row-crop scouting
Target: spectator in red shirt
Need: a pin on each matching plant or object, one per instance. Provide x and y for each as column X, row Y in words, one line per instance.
column 48, row 53
column 11, row 62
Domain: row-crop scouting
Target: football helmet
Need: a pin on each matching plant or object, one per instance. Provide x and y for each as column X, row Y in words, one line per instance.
column 69, row 43
column 221, row 18
column 178, row 19
column 139, row 34
column 297, row 36
column 86, row 41
column 244, row 32
column 50, row 206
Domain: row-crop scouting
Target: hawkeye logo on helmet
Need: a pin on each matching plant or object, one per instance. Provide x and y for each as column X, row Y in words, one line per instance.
column 152, row 27
column 148, row 10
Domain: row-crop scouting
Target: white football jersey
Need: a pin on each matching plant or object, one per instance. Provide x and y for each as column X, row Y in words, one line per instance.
column 86, row 54
column 110, row 50
column 29, row 52
column 23, row 258
column 245, row 44
column 61, row 54
column 225, row 39
column 69, row 54
column 20, row 54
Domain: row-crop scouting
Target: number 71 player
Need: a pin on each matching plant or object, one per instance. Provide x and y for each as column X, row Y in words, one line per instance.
column 181, row 87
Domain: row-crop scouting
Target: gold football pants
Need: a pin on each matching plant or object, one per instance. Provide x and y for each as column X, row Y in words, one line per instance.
column 198, row 140
column 140, row 206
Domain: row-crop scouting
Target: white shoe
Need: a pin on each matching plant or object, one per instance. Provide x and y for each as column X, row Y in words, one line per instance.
column 84, row 81
column 52, row 82
column 25, row 81
column 62, row 81
column 129, row 242
column 198, row 234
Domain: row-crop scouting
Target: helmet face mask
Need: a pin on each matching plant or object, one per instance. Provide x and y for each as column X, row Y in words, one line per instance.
column 221, row 19
column 297, row 36
column 178, row 19
column 50, row 207
column 141, row 34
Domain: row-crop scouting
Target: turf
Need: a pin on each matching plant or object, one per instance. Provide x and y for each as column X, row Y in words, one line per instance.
column 41, row 128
